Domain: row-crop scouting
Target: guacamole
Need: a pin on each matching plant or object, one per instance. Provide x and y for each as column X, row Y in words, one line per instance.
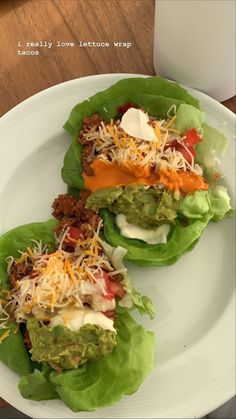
column 64, row 349
column 145, row 207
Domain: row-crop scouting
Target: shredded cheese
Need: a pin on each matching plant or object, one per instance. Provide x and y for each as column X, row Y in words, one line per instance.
column 113, row 144
column 172, row 108
column 170, row 123
column 16, row 329
column 4, row 335
column 60, row 278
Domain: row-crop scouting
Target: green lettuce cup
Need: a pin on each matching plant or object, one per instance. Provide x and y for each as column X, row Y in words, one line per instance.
column 98, row 381
column 186, row 214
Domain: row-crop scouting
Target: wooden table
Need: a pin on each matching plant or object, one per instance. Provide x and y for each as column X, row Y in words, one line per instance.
column 68, row 21
column 71, row 21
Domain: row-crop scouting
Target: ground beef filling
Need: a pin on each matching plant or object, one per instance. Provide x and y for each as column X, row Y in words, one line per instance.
column 88, row 146
column 19, row 271
column 72, row 213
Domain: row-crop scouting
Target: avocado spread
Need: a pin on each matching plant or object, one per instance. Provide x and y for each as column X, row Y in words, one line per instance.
column 147, row 208
column 63, row 349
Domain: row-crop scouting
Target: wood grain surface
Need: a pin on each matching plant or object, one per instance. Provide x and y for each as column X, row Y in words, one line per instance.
column 127, row 21
column 71, row 21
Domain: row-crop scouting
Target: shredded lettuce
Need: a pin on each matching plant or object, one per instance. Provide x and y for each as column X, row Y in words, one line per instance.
column 115, row 254
column 132, row 299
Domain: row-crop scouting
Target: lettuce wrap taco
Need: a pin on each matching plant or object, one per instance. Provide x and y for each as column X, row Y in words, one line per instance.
column 65, row 326
column 142, row 150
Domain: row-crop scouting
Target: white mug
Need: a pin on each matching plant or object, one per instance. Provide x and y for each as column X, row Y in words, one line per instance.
column 194, row 44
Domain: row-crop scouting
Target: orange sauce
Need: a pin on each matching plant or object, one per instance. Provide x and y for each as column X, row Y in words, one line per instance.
column 184, row 181
column 113, row 174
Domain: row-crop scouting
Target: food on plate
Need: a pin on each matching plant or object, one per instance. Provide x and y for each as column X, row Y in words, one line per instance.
column 148, row 162
column 65, row 326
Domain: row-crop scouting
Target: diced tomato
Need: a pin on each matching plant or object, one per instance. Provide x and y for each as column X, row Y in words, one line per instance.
column 173, row 144
column 123, row 108
column 186, row 153
column 191, row 138
column 102, row 274
column 33, row 275
column 114, row 289
column 111, row 314
column 74, row 233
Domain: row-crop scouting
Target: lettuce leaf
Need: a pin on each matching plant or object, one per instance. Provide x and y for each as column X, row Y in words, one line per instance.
column 13, row 352
column 20, row 238
column 104, row 382
column 142, row 91
column 220, row 202
column 198, row 207
column 182, row 239
column 95, row 384
column 187, row 117
column 151, row 103
column 195, row 204
column 133, row 298
column 210, row 149
column 156, row 96
column 99, row 383
column 72, row 169
column 36, row 386
column 216, row 200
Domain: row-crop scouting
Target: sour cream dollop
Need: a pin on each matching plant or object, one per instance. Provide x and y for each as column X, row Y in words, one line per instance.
column 135, row 123
column 131, row 231
column 75, row 318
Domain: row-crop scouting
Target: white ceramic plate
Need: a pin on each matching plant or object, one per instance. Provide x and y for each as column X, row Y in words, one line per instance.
column 194, row 326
